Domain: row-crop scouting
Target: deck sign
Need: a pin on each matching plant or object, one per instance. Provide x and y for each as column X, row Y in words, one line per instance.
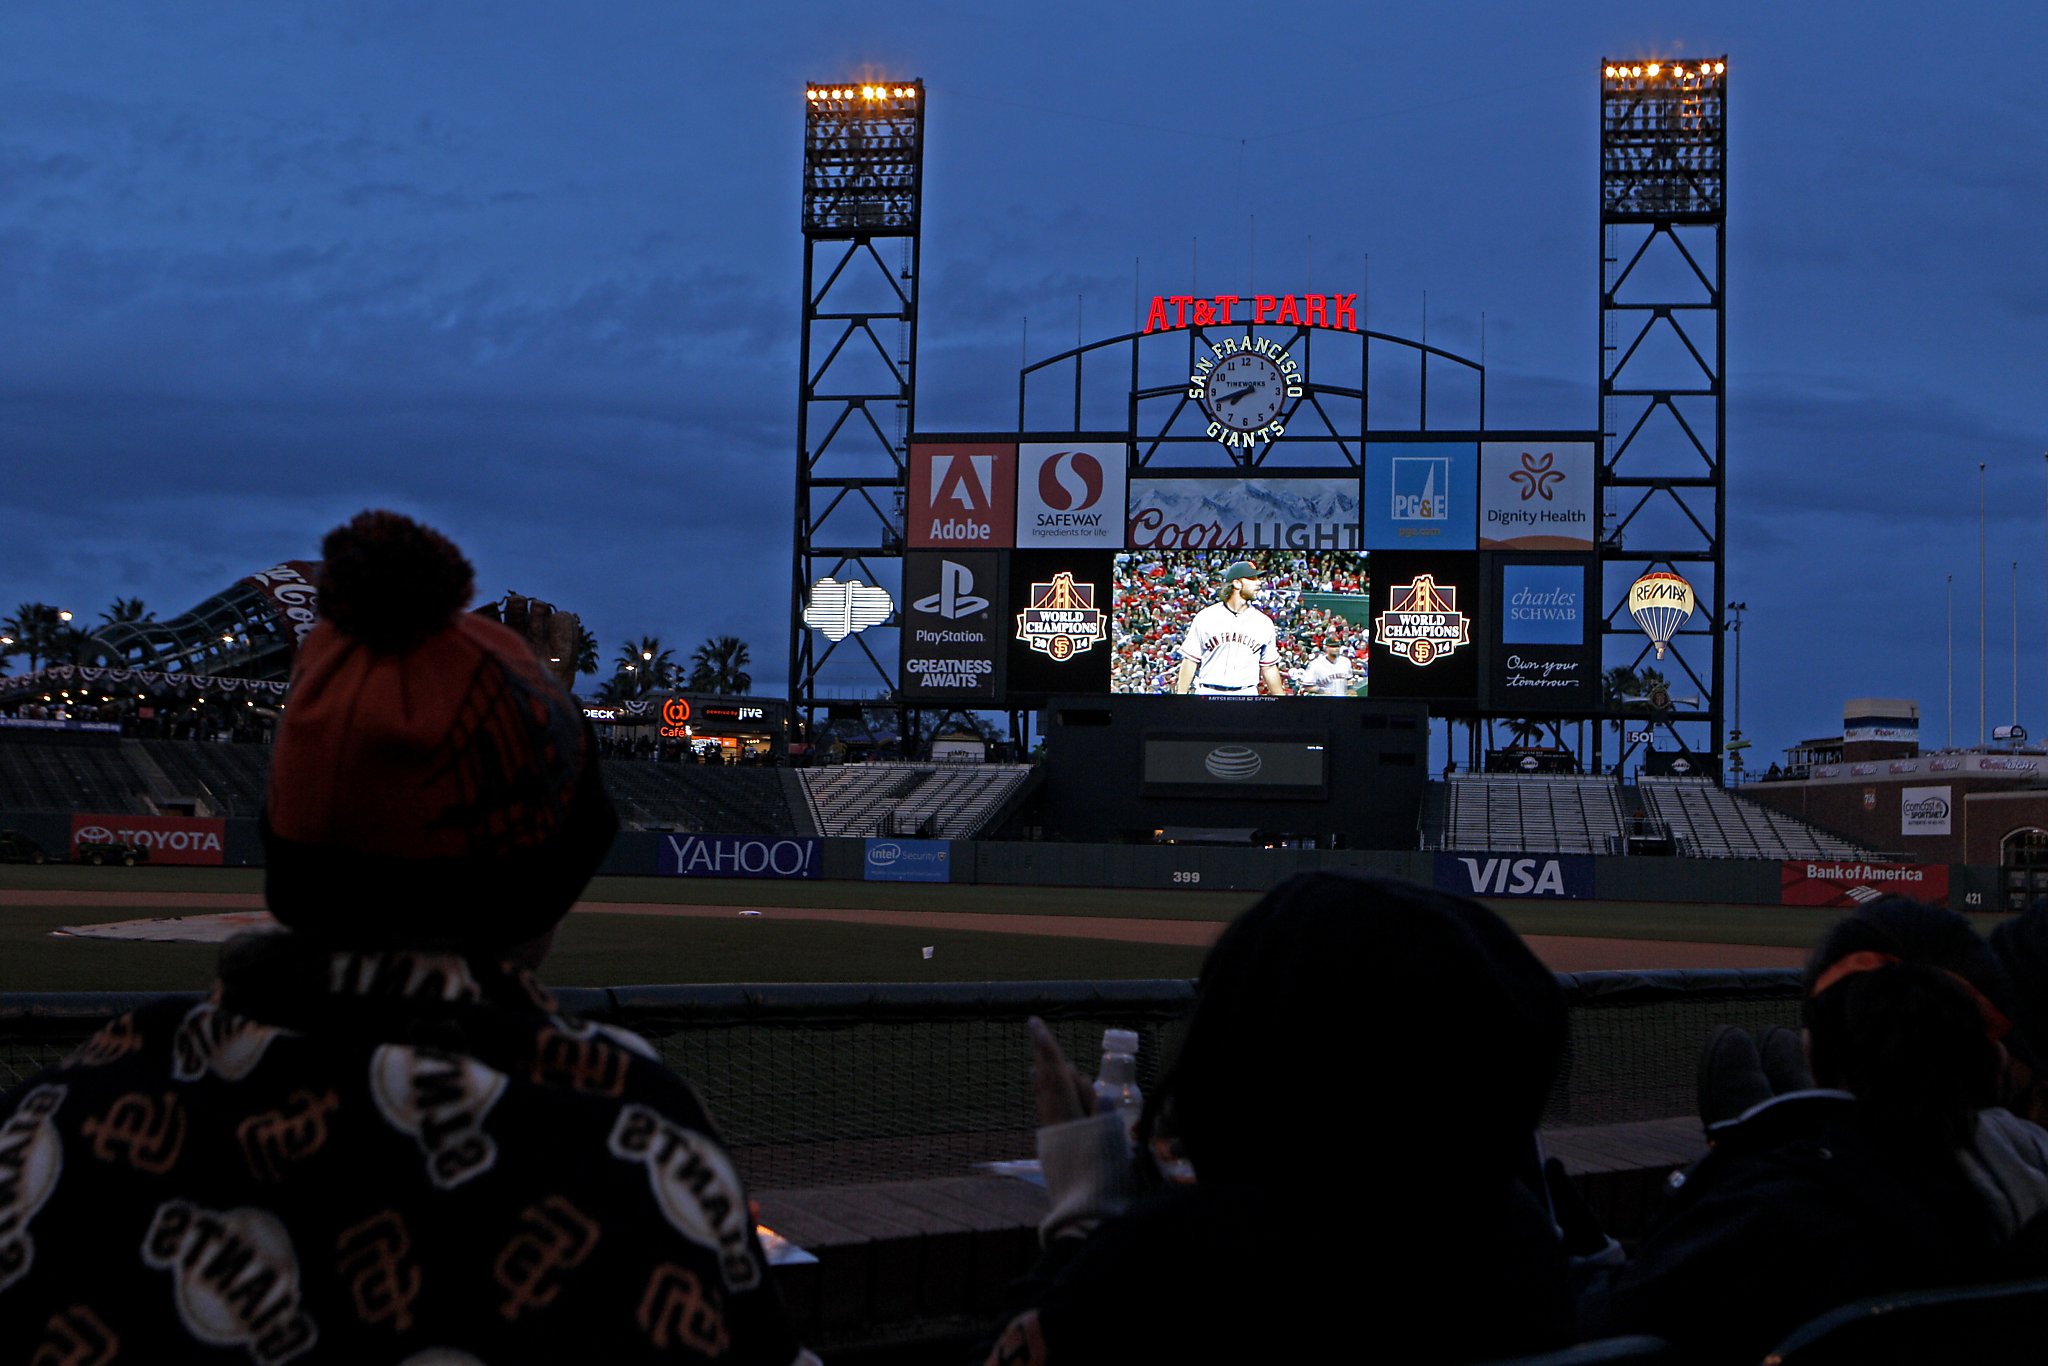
column 1553, row 876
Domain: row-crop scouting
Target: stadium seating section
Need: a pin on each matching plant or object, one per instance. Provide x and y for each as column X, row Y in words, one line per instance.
column 1710, row 822
column 1547, row 814
column 1579, row 815
column 943, row 800
column 1495, row 812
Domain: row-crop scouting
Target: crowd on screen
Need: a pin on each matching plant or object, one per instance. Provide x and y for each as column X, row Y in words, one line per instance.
column 1155, row 595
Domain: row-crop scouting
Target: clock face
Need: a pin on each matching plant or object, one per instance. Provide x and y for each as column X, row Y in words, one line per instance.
column 1244, row 391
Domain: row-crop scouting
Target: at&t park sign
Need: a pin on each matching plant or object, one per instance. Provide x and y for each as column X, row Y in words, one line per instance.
column 1248, row 385
column 1339, row 311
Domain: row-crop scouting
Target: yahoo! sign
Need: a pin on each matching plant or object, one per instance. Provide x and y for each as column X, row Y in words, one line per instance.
column 738, row 856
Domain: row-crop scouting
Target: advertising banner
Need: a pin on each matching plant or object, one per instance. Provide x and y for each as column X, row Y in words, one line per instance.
column 1556, row 876
column 952, row 643
column 1058, row 621
column 1421, row 495
column 169, row 839
column 908, row 861
column 1845, row 882
column 292, row 591
column 962, row 495
column 1428, row 615
column 1071, row 493
column 738, row 856
column 1536, row 495
column 1544, row 658
column 1226, row 764
column 1243, row 514
column 1924, row 810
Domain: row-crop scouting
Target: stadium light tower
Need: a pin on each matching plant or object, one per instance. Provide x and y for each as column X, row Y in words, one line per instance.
column 863, row 190
column 1663, row 357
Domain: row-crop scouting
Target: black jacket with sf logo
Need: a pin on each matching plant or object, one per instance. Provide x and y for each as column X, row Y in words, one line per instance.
column 369, row 1156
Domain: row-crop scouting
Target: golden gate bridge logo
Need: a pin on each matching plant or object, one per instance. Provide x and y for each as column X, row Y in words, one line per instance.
column 1062, row 620
column 1423, row 623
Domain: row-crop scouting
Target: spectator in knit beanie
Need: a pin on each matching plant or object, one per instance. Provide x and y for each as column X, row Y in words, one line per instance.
column 377, row 1139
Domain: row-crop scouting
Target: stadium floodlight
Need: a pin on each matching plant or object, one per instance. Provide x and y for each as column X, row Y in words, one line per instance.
column 863, row 151
column 1664, row 140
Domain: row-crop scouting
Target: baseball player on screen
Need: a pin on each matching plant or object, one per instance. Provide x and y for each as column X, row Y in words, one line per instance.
column 1330, row 673
column 1231, row 646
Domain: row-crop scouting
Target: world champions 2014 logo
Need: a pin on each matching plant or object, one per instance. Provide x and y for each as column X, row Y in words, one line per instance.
column 1062, row 619
column 1423, row 624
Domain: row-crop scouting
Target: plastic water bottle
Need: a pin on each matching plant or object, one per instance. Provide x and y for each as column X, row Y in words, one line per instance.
column 1116, row 1085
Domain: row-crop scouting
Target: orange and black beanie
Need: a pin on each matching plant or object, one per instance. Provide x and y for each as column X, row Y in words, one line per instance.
column 431, row 784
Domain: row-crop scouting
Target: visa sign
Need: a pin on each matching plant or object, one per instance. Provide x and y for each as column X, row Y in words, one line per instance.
column 1555, row 876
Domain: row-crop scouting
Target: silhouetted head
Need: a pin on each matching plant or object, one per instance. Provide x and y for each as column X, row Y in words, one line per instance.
column 1339, row 992
column 1906, row 1007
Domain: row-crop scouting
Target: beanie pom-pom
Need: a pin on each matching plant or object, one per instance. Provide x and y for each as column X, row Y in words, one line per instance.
column 389, row 582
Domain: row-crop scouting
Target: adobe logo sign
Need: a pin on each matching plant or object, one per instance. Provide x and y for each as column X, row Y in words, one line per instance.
column 1071, row 494
column 963, row 495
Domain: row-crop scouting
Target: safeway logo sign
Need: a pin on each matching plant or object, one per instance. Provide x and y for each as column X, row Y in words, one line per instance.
column 169, row 839
column 962, row 495
column 1561, row 876
column 1071, row 494
column 956, row 597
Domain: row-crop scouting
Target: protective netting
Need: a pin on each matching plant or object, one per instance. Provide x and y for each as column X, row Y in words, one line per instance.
column 831, row 1085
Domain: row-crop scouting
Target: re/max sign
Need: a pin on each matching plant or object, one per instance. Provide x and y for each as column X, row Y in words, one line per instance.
column 1169, row 311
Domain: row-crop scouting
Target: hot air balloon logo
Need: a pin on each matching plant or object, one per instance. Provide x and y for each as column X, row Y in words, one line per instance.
column 1661, row 603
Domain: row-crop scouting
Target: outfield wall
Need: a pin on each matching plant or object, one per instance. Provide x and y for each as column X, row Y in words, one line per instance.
column 1207, row 868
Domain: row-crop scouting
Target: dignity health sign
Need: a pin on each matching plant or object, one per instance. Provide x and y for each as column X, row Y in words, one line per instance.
column 738, row 856
column 1536, row 495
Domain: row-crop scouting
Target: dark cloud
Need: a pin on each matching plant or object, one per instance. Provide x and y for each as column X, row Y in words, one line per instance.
column 536, row 276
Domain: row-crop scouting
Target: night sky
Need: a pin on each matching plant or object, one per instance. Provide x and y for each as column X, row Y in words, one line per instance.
column 532, row 273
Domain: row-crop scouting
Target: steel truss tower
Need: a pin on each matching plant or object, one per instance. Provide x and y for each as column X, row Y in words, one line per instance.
column 862, row 209
column 1663, row 395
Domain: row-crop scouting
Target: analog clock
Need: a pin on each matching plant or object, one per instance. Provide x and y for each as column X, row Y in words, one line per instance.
column 1244, row 392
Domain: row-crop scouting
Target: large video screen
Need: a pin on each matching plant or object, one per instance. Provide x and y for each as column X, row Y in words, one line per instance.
column 1305, row 630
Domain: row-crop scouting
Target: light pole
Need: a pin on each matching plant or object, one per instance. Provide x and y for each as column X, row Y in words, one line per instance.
column 1736, row 744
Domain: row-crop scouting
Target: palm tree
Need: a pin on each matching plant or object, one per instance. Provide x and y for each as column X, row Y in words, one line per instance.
column 1524, row 732
column 586, row 651
column 720, row 665
column 126, row 609
column 37, row 631
column 647, row 665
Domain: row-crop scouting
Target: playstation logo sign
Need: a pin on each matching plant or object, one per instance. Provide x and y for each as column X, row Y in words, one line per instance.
column 956, row 597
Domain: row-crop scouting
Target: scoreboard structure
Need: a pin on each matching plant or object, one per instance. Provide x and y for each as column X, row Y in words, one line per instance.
column 1400, row 549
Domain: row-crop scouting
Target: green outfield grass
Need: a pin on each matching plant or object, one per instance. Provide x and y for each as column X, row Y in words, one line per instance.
column 617, row 950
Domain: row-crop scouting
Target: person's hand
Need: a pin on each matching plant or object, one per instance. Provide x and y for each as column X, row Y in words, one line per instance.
column 1060, row 1091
